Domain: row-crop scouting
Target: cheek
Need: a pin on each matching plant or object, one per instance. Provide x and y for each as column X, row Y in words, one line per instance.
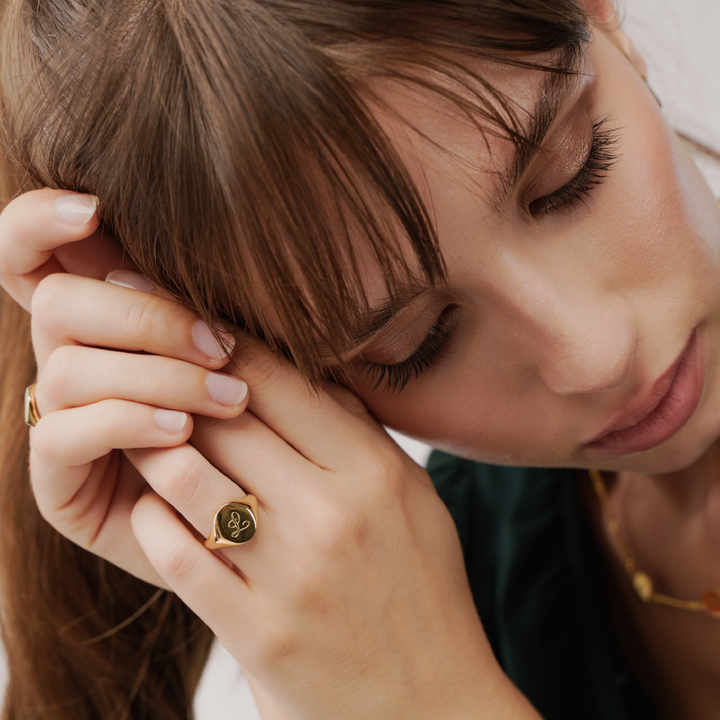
column 479, row 413
column 657, row 225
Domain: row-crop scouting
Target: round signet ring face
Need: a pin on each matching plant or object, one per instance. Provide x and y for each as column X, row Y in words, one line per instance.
column 235, row 524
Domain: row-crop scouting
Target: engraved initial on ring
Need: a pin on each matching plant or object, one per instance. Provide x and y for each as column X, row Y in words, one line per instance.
column 235, row 525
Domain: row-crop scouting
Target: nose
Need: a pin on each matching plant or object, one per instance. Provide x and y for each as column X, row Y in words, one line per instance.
column 579, row 342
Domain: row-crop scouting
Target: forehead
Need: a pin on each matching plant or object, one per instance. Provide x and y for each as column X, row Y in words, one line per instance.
column 482, row 127
column 454, row 134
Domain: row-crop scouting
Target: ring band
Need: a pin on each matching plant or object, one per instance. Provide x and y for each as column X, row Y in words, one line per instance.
column 31, row 412
column 235, row 523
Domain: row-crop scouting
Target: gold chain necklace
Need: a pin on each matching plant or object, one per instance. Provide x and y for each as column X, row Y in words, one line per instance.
column 641, row 582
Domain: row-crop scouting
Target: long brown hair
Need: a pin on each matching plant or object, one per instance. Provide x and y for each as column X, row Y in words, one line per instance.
column 238, row 165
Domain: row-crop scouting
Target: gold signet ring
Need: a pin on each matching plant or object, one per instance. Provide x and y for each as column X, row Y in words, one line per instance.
column 235, row 524
column 31, row 412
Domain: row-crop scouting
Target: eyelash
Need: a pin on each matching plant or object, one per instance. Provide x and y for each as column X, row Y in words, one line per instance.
column 600, row 159
column 395, row 377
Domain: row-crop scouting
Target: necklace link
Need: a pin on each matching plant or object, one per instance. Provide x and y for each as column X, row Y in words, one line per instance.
column 641, row 582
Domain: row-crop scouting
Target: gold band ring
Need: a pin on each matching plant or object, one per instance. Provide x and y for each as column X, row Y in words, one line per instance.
column 31, row 412
column 235, row 523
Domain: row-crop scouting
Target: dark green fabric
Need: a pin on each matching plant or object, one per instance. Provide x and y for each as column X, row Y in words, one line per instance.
column 534, row 571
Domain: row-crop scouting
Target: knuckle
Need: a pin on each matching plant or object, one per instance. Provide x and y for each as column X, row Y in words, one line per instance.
column 110, row 416
column 80, row 527
column 178, row 564
column 339, row 525
column 182, row 479
column 349, row 401
column 57, row 376
column 142, row 315
column 45, row 299
column 392, row 471
column 155, row 376
column 280, row 646
column 382, row 474
column 11, row 225
column 309, row 593
column 77, row 523
column 43, row 444
column 22, row 217
column 354, row 405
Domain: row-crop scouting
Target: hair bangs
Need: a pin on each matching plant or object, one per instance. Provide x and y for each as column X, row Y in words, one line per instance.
column 234, row 157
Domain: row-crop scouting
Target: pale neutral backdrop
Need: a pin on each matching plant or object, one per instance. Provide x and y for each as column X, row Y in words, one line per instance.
column 679, row 41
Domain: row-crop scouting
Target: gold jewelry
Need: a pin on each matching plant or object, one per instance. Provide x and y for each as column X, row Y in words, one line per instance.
column 641, row 582
column 31, row 412
column 235, row 523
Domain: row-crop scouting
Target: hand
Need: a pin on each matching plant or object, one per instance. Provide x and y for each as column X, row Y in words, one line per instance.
column 52, row 231
column 345, row 607
column 47, row 232
column 352, row 599
column 94, row 400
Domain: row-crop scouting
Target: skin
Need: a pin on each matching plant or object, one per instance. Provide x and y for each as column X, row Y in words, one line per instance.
column 565, row 317
column 573, row 314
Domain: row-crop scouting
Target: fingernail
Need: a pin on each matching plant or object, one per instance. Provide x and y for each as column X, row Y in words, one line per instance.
column 171, row 421
column 225, row 389
column 75, row 209
column 206, row 343
column 130, row 279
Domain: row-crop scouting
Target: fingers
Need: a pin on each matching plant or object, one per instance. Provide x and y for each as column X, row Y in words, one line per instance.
column 203, row 581
column 72, row 438
column 69, row 310
column 313, row 422
column 74, row 376
column 187, row 481
column 98, row 516
column 259, row 463
column 32, row 227
column 247, row 457
column 111, row 536
column 246, row 450
column 86, row 491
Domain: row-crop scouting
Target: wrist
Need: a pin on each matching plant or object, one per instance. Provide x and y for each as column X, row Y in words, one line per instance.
column 267, row 706
column 475, row 688
column 487, row 692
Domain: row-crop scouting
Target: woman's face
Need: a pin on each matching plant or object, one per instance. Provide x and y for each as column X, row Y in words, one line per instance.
column 581, row 322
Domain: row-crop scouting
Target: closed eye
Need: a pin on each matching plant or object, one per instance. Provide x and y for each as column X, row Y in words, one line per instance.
column 600, row 159
column 394, row 377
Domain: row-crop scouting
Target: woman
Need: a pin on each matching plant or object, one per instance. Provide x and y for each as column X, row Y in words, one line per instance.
column 473, row 216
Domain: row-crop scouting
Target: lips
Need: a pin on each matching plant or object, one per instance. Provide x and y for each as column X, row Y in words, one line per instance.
column 661, row 412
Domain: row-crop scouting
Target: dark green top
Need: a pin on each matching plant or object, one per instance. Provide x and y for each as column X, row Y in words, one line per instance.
column 534, row 571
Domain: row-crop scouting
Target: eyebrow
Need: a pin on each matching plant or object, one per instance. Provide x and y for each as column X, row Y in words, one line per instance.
column 557, row 88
